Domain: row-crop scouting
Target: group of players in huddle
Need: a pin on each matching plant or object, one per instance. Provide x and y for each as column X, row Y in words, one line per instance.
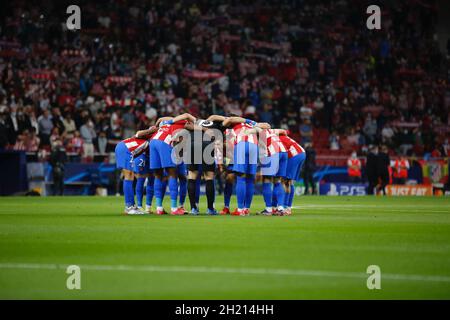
column 179, row 151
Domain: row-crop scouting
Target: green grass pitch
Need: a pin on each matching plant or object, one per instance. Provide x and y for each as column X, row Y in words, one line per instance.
column 321, row 252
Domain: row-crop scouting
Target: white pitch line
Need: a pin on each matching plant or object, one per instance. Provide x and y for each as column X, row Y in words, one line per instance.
column 223, row 270
column 351, row 208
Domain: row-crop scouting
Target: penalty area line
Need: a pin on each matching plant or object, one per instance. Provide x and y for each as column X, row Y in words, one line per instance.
column 223, row 270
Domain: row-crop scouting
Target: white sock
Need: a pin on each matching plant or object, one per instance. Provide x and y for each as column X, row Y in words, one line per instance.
column 159, row 208
column 269, row 209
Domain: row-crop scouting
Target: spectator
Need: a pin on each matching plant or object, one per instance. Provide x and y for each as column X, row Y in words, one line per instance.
column 45, row 127
column 370, row 129
column 353, row 138
column 3, row 131
column 306, row 112
column 33, row 142
column 55, row 136
column 88, row 135
column 332, row 80
column 387, row 135
column 21, row 144
column 334, row 141
column 58, row 121
column 128, row 123
column 266, row 115
column 69, row 125
column 75, row 144
column 406, row 141
column 13, row 125
column 102, row 143
column 23, row 121
column 306, row 131
column 445, row 149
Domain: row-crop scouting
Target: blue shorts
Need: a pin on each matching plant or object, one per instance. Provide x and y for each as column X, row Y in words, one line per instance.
column 182, row 169
column 160, row 155
column 245, row 158
column 294, row 166
column 275, row 165
column 125, row 161
column 123, row 157
column 141, row 164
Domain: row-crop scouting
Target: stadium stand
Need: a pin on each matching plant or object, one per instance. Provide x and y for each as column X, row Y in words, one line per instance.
column 327, row 80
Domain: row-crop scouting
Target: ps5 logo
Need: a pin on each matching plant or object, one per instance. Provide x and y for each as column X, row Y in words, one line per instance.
column 73, row 22
column 346, row 190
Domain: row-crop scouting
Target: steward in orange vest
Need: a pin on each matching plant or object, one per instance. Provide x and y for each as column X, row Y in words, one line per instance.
column 400, row 170
column 354, row 168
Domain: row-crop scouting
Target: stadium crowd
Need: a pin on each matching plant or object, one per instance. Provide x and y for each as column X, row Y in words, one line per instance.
column 308, row 66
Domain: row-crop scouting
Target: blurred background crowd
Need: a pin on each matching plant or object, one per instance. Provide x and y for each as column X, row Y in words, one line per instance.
column 308, row 66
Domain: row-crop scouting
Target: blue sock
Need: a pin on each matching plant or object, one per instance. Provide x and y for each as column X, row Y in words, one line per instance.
column 291, row 196
column 250, row 190
column 173, row 189
column 279, row 191
column 164, row 187
column 128, row 192
column 140, row 190
column 274, row 198
column 227, row 192
column 183, row 190
column 286, row 198
column 240, row 192
column 275, row 194
column 197, row 189
column 267, row 193
column 158, row 189
column 149, row 191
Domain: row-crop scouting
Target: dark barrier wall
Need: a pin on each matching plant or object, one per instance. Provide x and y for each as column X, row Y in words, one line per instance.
column 13, row 172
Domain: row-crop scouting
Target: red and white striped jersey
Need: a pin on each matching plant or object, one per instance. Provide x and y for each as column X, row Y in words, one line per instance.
column 271, row 142
column 238, row 135
column 229, row 144
column 167, row 131
column 136, row 146
column 292, row 146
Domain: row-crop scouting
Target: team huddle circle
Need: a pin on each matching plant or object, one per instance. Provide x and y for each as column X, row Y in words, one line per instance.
column 178, row 152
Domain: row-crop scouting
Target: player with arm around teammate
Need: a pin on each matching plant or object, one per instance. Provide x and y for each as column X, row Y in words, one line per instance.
column 163, row 159
column 131, row 155
column 201, row 158
column 245, row 160
column 296, row 158
column 273, row 165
